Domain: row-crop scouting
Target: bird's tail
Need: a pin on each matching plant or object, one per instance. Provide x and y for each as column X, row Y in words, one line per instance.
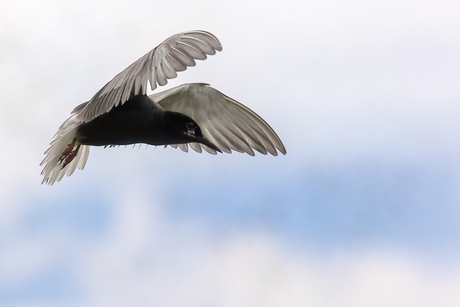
column 65, row 153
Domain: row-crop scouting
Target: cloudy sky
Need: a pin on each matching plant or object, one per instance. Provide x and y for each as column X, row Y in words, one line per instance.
column 364, row 210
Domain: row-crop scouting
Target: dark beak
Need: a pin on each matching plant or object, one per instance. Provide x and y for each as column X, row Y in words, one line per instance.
column 204, row 141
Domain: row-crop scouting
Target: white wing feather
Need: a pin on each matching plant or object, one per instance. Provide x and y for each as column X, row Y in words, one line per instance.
column 224, row 121
column 158, row 65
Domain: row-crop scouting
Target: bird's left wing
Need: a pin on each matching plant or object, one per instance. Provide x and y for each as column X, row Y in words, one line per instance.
column 224, row 121
column 158, row 65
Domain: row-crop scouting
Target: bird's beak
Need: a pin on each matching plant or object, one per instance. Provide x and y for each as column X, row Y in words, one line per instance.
column 205, row 141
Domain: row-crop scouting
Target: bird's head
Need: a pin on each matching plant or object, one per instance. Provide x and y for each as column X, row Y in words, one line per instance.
column 188, row 130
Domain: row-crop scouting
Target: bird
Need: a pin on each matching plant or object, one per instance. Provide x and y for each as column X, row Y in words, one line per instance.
column 192, row 114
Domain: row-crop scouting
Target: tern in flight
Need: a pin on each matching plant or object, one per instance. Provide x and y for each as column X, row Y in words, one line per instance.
column 194, row 114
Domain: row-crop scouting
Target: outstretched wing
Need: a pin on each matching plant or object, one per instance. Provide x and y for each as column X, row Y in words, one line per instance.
column 224, row 121
column 160, row 64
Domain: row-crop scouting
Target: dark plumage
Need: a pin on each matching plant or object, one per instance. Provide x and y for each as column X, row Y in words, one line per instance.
column 190, row 114
column 140, row 120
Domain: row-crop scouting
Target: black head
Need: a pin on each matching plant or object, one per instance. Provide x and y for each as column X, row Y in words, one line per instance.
column 188, row 130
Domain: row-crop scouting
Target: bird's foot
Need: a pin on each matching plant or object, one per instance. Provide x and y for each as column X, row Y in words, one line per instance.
column 69, row 154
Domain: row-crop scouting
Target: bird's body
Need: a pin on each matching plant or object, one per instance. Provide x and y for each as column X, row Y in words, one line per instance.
column 194, row 115
column 139, row 120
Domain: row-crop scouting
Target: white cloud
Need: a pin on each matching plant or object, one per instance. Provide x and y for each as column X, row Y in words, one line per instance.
column 179, row 264
column 147, row 258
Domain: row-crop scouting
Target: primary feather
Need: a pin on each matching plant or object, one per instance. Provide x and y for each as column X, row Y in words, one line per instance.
column 227, row 123
column 158, row 65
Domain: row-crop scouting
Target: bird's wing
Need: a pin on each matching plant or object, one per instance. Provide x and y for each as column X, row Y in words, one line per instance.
column 158, row 65
column 224, row 121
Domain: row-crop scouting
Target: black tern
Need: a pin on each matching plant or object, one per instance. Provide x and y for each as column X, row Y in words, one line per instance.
column 194, row 115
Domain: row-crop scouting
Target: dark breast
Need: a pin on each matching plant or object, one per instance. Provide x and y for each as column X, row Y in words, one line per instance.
column 136, row 121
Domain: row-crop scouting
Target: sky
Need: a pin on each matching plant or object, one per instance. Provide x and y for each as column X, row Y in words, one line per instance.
column 363, row 210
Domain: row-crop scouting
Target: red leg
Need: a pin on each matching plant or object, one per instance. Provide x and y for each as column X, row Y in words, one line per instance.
column 68, row 150
column 69, row 154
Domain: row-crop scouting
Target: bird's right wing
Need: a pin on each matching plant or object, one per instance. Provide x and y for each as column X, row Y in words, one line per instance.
column 224, row 121
column 158, row 65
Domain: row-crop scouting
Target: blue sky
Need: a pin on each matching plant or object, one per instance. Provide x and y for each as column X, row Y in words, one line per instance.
column 362, row 211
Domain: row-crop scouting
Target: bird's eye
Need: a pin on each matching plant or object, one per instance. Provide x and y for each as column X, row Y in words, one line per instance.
column 190, row 127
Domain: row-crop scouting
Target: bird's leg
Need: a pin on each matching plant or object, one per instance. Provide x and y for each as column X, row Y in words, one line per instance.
column 69, row 154
column 68, row 149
